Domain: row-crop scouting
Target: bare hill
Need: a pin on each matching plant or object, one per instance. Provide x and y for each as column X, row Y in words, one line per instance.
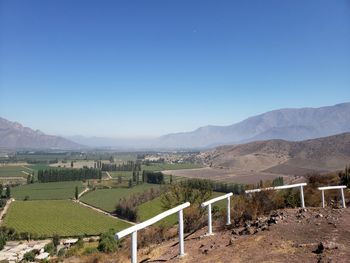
column 284, row 157
column 14, row 136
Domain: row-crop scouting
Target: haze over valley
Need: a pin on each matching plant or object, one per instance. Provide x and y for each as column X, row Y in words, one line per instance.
column 174, row 131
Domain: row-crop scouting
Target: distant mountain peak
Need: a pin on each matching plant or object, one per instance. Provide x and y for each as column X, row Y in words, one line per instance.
column 14, row 135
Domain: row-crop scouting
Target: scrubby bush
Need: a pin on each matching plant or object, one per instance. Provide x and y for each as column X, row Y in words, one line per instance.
column 107, row 243
column 2, row 240
column 50, row 248
column 90, row 250
column 61, row 252
column 80, row 243
column 313, row 195
column 56, row 240
column 194, row 191
column 29, row 256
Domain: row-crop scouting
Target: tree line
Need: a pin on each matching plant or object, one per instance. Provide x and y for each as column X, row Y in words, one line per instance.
column 59, row 175
column 128, row 166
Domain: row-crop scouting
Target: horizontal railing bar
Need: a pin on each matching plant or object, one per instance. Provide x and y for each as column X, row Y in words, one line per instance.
column 289, row 186
column 151, row 221
column 204, row 204
column 331, row 187
column 275, row 188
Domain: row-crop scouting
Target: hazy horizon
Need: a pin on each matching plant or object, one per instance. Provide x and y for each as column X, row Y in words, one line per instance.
column 123, row 70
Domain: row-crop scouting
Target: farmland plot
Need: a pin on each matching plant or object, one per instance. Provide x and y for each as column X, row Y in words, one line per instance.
column 47, row 191
column 106, row 199
column 64, row 218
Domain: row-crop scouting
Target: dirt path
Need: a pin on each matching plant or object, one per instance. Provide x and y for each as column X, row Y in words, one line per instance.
column 109, row 176
column 87, row 189
column 25, row 173
column 102, row 212
column 6, row 207
column 27, row 168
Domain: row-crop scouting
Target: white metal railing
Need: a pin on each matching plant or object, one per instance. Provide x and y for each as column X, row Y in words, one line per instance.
column 341, row 187
column 214, row 200
column 133, row 230
column 301, row 185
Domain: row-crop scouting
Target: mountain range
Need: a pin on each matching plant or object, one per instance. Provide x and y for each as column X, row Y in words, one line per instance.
column 287, row 124
column 14, row 136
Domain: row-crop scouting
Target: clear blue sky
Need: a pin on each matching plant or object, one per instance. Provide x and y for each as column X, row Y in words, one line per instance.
column 146, row 68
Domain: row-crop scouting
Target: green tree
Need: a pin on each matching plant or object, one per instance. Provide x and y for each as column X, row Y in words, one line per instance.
column 56, row 240
column 107, row 243
column 2, row 240
column 76, row 193
column 8, row 192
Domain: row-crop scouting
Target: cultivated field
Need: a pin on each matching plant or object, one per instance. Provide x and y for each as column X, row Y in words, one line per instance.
column 14, row 171
column 170, row 166
column 106, row 199
column 126, row 175
column 227, row 175
column 47, row 191
column 65, row 218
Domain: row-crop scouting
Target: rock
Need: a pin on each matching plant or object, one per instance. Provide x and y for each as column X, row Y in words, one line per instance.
column 237, row 231
column 319, row 249
column 247, row 231
column 230, row 242
column 264, row 227
column 319, row 216
column 330, row 245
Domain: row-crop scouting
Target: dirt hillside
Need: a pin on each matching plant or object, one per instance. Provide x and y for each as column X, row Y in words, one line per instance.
column 314, row 235
column 284, row 157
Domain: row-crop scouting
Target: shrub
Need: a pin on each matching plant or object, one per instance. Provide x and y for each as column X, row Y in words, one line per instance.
column 50, row 248
column 90, row 250
column 61, row 252
column 80, row 243
column 72, row 251
column 29, row 256
column 56, row 240
column 107, row 243
column 2, row 240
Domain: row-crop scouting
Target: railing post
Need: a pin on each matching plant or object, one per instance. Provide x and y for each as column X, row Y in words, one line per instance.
column 302, row 197
column 323, row 204
column 228, row 211
column 134, row 247
column 342, row 197
column 181, row 233
column 210, row 230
